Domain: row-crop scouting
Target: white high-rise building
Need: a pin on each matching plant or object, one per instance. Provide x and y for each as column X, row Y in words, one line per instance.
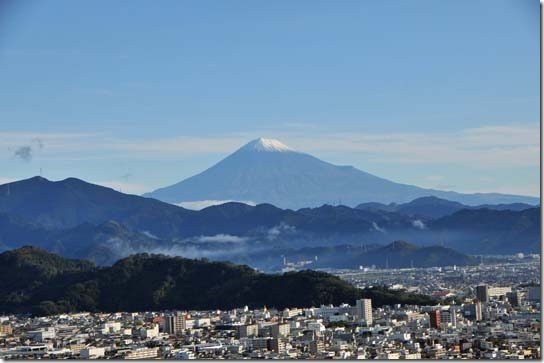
column 453, row 315
column 176, row 323
column 364, row 310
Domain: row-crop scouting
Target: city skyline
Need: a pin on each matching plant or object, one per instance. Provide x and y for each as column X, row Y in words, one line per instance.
column 314, row 179
column 485, row 311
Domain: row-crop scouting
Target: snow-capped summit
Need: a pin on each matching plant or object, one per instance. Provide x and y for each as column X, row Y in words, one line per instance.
column 268, row 171
column 262, row 144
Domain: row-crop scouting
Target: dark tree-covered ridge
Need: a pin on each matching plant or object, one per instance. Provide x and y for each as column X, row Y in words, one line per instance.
column 43, row 283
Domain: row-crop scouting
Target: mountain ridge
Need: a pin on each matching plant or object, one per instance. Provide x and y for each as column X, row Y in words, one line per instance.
column 102, row 224
column 434, row 207
column 293, row 179
column 72, row 201
column 145, row 282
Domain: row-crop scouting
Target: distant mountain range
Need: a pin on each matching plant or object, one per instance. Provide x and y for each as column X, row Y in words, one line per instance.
column 36, row 281
column 398, row 254
column 433, row 207
column 70, row 202
column 267, row 171
column 82, row 220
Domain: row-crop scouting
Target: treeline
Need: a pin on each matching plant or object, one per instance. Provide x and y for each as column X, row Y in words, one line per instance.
column 42, row 283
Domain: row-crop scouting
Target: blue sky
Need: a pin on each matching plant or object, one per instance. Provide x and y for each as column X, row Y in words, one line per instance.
column 441, row 94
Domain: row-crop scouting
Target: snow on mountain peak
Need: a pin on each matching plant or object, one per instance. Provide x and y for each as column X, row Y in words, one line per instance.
column 262, row 144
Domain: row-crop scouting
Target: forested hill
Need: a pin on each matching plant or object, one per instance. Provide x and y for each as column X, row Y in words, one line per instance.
column 42, row 283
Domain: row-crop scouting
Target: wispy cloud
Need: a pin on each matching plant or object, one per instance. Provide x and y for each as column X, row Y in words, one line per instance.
column 23, row 153
column 378, row 228
column 417, row 223
column 484, row 147
column 5, row 136
column 225, row 238
column 56, row 142
column 6, row 180
column 434, row 178
column 520, row 189
column 178, row 146
column 124, row 187
column 300, row 125
column 489, row 148
column 26, row 152
column 492, row 146
column 281, row 228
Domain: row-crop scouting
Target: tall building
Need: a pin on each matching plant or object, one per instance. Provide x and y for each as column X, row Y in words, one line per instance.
column 111, row 327
column 149, row 331
column 364, row 310
column 317, row 346
column 453, row 317
column 447, row 317
column 435, row 319
column 277, row 345
column 498, row 291
column 514, row 298
column 482, row 293
column 259, row 344
column 534, row 293
column 249, row 330
column 5, row 329
column 280, row 330
column 473, row 311
column 478, row 310
column 174, row 324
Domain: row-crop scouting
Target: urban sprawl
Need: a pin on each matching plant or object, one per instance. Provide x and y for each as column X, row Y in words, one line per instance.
column 491, row 311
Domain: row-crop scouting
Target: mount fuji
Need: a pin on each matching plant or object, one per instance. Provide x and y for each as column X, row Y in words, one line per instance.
column 268, row 171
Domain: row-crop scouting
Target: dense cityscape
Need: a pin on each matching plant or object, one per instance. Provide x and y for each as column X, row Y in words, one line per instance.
column 490, row 311
column 270, row 180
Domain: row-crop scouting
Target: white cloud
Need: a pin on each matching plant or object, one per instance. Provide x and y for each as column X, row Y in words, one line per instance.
column 149, row 234
column 434, row 177
column 418, row 224
column 494, row 147
column 124, row 187
column 486, row 147
column 300, row 125
column 16, row 138
column 524, row 189
column 179, row 145
column 6, row 180
column 222, row 238
column 275, row 231
column 378, row 228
